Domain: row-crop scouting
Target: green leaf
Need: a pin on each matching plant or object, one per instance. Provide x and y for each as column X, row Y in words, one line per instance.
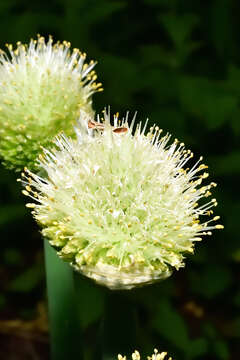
column 12, row 256
column 10, row 213
column 208, row 100
column 221, row 26
column 236, row 299
column 197, row 347
column 81, row 16
column 92, row 11
column 153, row 55
column 179, row 27
column 6, row 6
column 28, row 280
column 209, row 330
column 161, row 3
column 128, row 76
column 169, row 324
column 226, row 164
column 211, row 280
column 233, row 78
column 236, row 328
column 221, row 350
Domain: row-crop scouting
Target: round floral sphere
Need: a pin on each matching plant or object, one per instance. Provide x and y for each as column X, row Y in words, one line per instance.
column 120, row 205
column 43, row 87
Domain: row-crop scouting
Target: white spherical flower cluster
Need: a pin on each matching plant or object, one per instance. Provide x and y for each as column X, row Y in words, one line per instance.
column 43, row 86
column 119, row 204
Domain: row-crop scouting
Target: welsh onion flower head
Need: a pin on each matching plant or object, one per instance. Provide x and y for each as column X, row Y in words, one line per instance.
column 155, row 356
column 119, row 204
column 43, row 86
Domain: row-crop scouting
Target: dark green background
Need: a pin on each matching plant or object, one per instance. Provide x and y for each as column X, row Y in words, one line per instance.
column 178, row 63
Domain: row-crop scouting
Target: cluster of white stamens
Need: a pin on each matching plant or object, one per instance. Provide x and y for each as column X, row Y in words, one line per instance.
column 155, row 356
column 43, row 87
column 120, row 205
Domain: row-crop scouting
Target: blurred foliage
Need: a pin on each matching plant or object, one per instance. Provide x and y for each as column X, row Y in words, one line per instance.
column 178, row 63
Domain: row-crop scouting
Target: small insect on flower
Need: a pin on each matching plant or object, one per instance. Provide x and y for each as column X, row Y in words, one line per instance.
column 43, row 88
column 120, row 130
column 120, row 205
column 100, row 126
column 95, row 125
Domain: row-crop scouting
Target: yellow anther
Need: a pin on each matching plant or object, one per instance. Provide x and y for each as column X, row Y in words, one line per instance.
column 30, row 205
column 208, row 193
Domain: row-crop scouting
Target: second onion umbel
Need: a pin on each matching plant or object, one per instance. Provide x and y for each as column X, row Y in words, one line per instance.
column 43, row 87
column 119, row 204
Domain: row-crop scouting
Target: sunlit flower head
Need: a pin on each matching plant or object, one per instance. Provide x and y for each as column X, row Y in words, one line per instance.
column 120, row 205
column 155, row 356
column 43, row 86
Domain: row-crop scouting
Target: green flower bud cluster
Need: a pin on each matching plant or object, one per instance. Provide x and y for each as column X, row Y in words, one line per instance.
column 43, row 87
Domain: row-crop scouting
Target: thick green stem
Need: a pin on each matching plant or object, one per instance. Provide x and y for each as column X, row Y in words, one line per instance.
column 65, row 335
column 118, row 327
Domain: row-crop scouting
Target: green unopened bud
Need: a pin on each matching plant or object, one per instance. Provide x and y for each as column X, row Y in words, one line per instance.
column 43, row 87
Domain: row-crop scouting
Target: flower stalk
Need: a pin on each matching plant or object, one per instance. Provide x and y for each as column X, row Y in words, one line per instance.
column 65, row 332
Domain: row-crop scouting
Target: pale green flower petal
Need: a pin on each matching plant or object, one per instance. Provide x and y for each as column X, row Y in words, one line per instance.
column 120, row 207
column 43, row 86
